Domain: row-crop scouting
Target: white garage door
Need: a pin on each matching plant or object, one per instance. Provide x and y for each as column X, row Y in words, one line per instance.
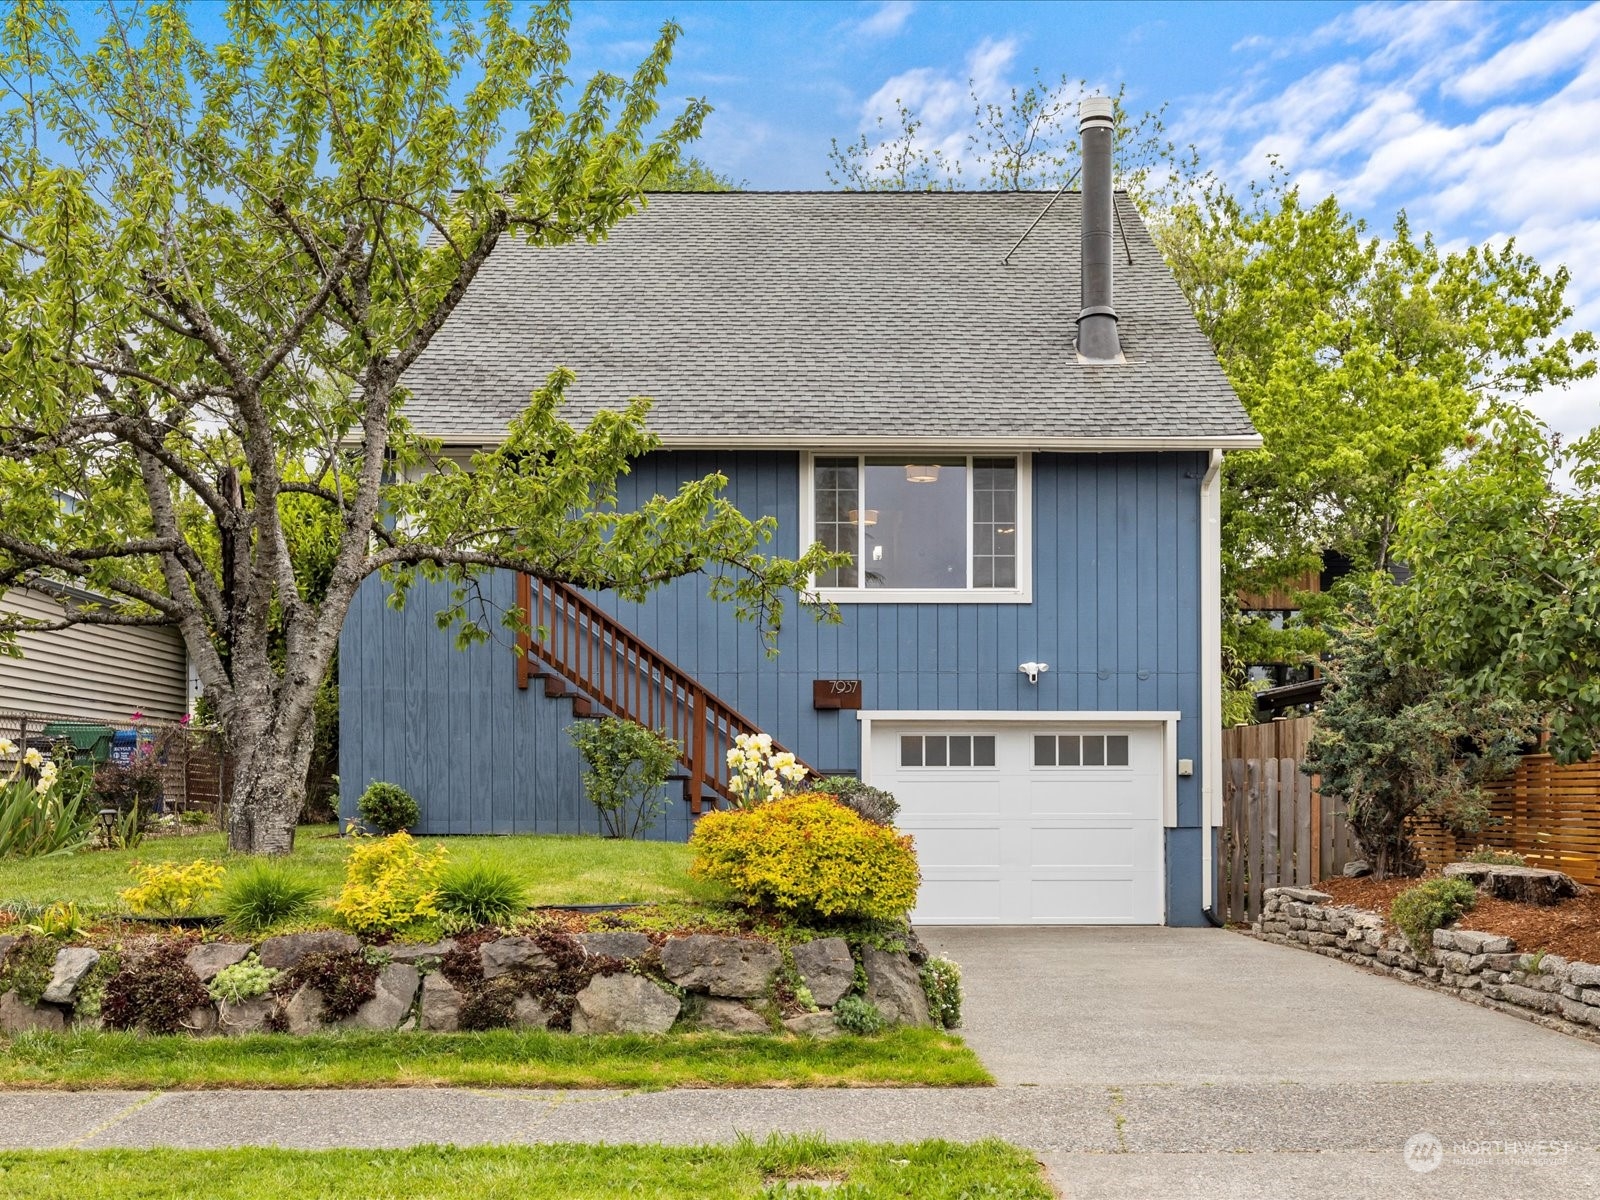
column 1021, row 824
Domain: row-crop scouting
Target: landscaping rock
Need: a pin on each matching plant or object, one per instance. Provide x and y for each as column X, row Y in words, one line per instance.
column 396, row 992
column 17, row 1017
column 624, row 1004
column 415, row 952
column 72, row 964
column 1356, row 868
column 528, row 1013
column 1529, row 885
column 201, row 1021
column 1302, row 895
column 722, row 966
column 729, row 1016
column 286, row 951
column 615, row 943
column 503, row 955
column 303, row 1013
column 817, row 1025
column 1469, row 941
column 5, row 947
column 247, row 1016
column 895, row 986
column 207, row 960
column 1584, row 974
column 826, row 968
column 441, row 1005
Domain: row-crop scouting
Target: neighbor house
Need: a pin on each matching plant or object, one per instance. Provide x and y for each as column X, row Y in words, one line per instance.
column 997, row 403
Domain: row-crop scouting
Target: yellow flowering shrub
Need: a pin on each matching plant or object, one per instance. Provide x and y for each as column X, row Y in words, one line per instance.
column 810, row 855
column 389, row 883
column 170, row 889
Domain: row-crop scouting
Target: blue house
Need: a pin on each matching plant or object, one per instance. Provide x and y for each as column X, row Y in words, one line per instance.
column 998, row 403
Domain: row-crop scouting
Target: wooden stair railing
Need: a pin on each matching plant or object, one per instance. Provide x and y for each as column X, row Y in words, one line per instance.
column 609, row 667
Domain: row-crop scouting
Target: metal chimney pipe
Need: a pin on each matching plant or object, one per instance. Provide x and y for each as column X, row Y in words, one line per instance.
column 1097, row 321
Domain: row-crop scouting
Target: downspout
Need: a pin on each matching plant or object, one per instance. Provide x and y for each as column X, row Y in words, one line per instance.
column 1210, row 678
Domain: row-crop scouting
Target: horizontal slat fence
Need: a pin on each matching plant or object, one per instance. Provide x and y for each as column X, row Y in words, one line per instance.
column 1278, row 830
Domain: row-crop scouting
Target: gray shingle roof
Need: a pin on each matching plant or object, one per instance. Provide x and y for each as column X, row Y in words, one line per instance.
column 829, row 316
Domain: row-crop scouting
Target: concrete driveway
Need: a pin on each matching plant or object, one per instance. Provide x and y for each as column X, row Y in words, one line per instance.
column 1216, row 1065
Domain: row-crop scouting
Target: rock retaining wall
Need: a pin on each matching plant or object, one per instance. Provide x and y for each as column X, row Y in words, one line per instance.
column 1484, row 968
column 610, row 982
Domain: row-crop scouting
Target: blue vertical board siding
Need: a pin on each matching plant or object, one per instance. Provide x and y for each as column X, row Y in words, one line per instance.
column 1115, row 612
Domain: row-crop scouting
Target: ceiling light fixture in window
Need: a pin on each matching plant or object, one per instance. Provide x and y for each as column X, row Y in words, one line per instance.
column 864, row 516
column 925, row 474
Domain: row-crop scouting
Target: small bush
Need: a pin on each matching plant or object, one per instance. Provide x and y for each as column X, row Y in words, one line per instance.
column 155, row 992
column 346, row 979
column 480, row 894
column 857, row 1014
column 28, row 967
column 388, row 807
column 941, row 981
column 871, row 803
column 265, row 894
column 170, row 889
column 389, row 884
column 1496, row 858
column 1417, row 912
column 247, row 980
column 625, row 765
column 810, row 855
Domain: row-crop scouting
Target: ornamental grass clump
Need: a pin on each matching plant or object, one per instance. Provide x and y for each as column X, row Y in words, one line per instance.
column 480, row 893
column 808, row 855
column 389, row 884
column 265, row 894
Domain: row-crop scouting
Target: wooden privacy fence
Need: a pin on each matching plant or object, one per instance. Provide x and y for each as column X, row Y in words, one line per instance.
column 1278, row 830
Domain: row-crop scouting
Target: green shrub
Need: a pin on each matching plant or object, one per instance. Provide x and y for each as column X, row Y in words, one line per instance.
column 857, row 1014
column 170, row 889
column 810, row 855
column 247, row 980
column 941, row 982
column 389, row 884
column 625, row 765
column 1417, row 912
column 873, row 804
column 388, row 807
column 264, row 894
column 1496, row 858
column 478, row 893
column 155, row 992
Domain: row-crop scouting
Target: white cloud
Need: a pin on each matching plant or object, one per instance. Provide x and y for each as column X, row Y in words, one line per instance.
column 1478, row 131
column 889, row 19
column 943, row 101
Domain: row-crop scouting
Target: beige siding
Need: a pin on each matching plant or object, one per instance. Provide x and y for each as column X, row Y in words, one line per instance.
column 102, row 673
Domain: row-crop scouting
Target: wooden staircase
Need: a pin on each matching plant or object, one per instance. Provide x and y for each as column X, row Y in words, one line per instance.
column 583, row 654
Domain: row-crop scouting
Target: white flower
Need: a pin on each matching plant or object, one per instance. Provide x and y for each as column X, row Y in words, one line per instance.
column 7, row 747
column 735, row 757
column 47, row 778
column 33, row 759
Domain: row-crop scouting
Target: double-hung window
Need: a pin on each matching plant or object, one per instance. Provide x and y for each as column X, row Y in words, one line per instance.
column 922, row 527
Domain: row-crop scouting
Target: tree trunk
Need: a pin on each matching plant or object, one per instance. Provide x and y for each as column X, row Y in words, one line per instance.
column 269, row 788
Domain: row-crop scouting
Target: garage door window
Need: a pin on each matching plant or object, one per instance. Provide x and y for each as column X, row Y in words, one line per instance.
column 947, row 750
column 1080, row 750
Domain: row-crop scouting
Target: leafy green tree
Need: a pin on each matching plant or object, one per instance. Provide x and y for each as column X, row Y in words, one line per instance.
column 1506, row 592
column 1362, row 360
column 218, row 261
column 692, row 174
column 1397, row 742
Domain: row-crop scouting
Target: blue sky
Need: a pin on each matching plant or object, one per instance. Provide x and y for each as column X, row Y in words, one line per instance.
column 1481, row 120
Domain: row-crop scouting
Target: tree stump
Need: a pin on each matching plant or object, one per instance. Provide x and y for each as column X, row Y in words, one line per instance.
column 1525, row 885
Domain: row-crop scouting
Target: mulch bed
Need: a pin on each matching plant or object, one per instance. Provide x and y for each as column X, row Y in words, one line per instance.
column 1570, row 929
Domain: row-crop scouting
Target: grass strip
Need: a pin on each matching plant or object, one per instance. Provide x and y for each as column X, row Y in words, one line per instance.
column 499, row 1058
column 780, row 1166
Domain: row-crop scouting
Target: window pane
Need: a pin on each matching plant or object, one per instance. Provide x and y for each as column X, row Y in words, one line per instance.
column 837, row 496
column 983, row 751
column 1069, row 750
column 960, row 751
column 919, row 540
column 994, row 522
column 1117, row 750
column 1094, row 751
column 910, row 752
column 1044, row 750
column 933, row 752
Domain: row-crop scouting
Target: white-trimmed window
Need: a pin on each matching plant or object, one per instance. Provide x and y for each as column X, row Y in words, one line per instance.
column 921, row 527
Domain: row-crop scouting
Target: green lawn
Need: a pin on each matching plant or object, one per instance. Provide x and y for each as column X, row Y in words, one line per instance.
column 776, row 1168
column 498, row 1058
column 556, row 870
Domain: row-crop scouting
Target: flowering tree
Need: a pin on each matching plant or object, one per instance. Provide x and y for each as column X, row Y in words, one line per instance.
column 757, row 775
